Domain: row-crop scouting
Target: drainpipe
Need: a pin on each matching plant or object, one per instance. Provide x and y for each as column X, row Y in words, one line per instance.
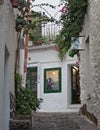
column 26, row 53
column 26, row 46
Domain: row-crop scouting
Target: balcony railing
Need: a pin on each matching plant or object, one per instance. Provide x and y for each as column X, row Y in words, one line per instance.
column 50, row 31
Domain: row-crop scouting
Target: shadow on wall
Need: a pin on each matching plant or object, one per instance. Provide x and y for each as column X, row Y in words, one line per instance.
column 83, row 111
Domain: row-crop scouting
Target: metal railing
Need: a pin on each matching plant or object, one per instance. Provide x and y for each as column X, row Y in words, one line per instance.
column 50, row 31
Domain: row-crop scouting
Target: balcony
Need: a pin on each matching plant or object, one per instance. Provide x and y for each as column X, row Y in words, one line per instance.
column 46, row 35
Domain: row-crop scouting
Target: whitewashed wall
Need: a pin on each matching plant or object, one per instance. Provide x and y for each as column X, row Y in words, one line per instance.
column 8, row 43
column 47, row 57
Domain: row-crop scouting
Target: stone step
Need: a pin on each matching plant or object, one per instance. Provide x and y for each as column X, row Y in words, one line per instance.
column 74, row 108
column 53, row 121
column 61, row 121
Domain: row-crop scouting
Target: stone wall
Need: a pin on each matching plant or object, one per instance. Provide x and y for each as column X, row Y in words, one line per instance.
column 18, row 122
column 20, row 125
column 21, row 122
column 90, row 61
column 12, row 106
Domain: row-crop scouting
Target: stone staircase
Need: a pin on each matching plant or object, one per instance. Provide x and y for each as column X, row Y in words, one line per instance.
column 53, row 121
column 60, row 121
column 21, row 123
column 74, row 108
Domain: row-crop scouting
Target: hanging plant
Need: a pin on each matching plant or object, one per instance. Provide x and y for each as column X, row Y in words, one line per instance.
column 20, row 23
column 14, row 3
column 25, row 20
column 72, row 19
column 20, row 20
column 22, row 3
column 18, row 28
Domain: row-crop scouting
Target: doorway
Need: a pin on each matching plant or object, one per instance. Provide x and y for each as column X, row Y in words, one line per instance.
column 31, row 79
column 75, row 98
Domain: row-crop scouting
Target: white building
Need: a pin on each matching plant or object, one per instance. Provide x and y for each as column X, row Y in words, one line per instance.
column 43, row 64
column 8, row 44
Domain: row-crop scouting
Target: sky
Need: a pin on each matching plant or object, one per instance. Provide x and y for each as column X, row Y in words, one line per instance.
column 53, row 12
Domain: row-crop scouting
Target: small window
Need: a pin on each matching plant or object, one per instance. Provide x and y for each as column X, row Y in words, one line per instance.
column 52, row 80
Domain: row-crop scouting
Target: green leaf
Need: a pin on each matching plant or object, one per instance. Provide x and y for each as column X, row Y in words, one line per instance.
column 72, row 22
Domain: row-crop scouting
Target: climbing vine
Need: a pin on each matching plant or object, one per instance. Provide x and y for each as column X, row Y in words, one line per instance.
column 27, row 19
column 72, row 19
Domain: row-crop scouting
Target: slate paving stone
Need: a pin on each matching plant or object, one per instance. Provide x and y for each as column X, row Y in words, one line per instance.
column 61, row 121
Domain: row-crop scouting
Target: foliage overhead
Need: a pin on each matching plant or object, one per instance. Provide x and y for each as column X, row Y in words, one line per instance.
column 26, row 14
column 72, row 20
column 36, row 37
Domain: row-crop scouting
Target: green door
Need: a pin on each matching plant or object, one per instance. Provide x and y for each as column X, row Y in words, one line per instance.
column 31, row 79
column 75, row 85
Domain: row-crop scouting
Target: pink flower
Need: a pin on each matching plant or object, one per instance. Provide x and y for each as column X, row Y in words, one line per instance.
column 64, row 9
column 56, row 48
column 77, row 62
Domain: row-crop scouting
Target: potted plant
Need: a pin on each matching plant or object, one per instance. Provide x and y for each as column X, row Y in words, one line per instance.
column 20, row 20
column 22, row 3
column 20, row 23
column 18, row 28
column 14, row 3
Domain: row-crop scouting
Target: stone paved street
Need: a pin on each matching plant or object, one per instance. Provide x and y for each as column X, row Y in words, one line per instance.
column 61, row 121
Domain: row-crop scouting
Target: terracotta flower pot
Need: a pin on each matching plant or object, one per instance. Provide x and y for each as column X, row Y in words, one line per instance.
column 57, row 48
column 22, row 3
column 14, row 3
column 18, row 28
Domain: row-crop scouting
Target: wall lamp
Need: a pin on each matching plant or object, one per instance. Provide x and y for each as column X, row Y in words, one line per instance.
column 76, row 43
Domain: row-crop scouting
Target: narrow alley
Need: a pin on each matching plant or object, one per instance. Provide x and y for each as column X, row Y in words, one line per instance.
column 61, row 121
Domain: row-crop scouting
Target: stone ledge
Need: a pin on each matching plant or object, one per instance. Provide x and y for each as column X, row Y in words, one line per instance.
column 19, row 125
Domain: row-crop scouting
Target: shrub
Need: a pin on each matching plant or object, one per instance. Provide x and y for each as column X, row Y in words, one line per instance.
column 26, row 101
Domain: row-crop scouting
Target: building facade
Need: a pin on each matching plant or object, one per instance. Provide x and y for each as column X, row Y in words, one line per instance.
column 8, row 44
column 90, row 62
column 52, row 80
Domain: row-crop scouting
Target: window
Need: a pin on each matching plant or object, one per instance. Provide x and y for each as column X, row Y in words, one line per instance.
column 52, row 80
